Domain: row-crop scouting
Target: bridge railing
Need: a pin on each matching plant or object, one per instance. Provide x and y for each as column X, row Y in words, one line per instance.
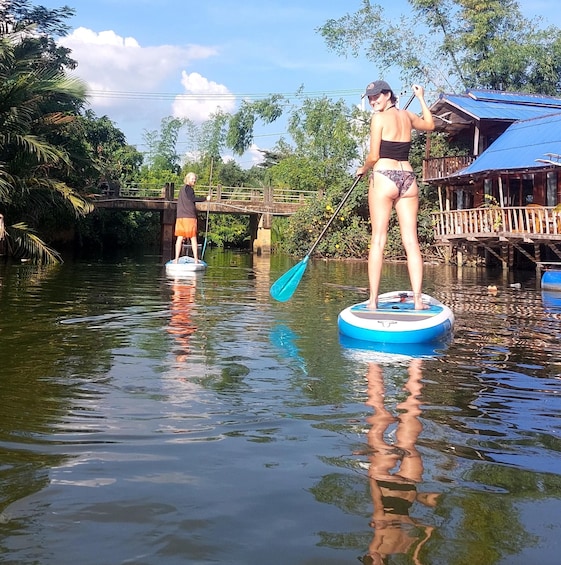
column 294, row 196
column 252, row 194
column 219, row 192
column 142, row 191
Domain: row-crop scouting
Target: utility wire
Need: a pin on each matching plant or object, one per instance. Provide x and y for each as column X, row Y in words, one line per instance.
column 136, row 95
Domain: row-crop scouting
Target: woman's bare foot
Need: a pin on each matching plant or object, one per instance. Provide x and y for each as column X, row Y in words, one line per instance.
column 372, row 304
column 419, row 304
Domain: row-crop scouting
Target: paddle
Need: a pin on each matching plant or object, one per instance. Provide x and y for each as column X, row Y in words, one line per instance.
column 206, row 227
column 207, row 206
column 283, row 288
column 411, row 98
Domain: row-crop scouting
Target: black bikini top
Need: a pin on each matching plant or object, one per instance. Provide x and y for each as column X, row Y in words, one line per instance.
column 398, row 150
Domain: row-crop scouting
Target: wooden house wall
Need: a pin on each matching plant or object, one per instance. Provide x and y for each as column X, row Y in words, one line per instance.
column 520, row 189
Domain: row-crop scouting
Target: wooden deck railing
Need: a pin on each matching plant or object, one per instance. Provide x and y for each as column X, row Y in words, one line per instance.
column 442, row 167
column 513, row 221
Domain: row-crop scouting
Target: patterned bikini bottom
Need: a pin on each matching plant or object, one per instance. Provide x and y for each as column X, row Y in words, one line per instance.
column 402, row 179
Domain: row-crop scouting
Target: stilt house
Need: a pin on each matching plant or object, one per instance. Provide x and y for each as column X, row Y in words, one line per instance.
column 501, row 202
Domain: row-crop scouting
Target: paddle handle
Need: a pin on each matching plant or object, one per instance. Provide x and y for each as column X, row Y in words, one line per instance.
column 338, row 209
column 408, row 103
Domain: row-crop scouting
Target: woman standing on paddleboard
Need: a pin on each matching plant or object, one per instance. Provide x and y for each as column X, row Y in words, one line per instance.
column 393, row 183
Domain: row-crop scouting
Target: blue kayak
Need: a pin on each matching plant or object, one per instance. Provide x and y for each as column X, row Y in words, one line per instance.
column 551, row 279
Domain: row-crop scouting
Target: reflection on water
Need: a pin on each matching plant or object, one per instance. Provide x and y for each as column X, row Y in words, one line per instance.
column 152, row 420
column 181, row 325
column 285, row 340
column 358, row 350
column 395, row 466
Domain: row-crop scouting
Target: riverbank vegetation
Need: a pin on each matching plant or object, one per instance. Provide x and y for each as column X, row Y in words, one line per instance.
column 55, row 155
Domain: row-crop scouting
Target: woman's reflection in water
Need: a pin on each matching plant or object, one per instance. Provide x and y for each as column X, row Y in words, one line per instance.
column 395, row 470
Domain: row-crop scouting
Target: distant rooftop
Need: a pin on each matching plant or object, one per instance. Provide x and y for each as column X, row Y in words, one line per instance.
column 497, row 105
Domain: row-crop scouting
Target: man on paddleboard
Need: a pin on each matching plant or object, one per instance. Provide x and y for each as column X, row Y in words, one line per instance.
column 186, row 216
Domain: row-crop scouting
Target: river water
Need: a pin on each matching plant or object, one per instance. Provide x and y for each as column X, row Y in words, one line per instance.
column 151, row 420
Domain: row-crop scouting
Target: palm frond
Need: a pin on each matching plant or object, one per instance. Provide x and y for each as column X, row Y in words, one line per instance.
column 23, row 243
column 79, row 204
column 6, row 185
column 43, row 151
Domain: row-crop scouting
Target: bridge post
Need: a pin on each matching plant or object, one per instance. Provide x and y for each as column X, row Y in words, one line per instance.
column 169, row 191
column 261, row 234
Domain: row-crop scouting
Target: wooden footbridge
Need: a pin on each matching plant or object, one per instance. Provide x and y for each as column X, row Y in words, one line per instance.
column 260, row 204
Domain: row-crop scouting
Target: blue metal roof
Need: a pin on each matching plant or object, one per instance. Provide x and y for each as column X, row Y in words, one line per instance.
column 495, row 105
column 514, row 97
column 519, row 146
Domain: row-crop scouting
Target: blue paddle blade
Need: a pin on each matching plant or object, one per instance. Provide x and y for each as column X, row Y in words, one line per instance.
column 283, row 288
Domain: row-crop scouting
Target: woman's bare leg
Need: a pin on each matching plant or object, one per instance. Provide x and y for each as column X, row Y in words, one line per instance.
column 380, row 201
column 407, row 208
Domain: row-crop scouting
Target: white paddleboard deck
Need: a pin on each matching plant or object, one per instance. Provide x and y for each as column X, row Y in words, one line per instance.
column 185, row 265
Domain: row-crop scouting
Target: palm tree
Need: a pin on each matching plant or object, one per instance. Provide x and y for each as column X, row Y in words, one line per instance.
column 36, row 100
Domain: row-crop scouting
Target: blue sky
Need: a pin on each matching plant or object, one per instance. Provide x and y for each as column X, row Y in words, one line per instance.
column 147, row 59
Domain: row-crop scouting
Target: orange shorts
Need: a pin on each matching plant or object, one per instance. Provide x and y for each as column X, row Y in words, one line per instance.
column 187, row 227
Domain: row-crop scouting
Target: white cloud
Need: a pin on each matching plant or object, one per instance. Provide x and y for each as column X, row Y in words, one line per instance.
column 128, row 81
column 255, row 156
column 202, row 97
column 136, row 86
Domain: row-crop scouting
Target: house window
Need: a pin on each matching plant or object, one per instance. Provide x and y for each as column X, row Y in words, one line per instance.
column 527, row 189
column 551, row 189
column 487, row 189
column 460, row 200
column 520, row 190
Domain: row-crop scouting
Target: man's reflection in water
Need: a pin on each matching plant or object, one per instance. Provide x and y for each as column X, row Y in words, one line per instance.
column 181, row 326
column 395, row 470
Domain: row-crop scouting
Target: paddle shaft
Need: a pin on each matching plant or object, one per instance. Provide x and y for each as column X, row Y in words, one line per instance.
column 411, row 98
column 207, row 215
column 337, row 210
column 208, row 206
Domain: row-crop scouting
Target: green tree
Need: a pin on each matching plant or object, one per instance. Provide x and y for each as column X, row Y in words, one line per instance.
column 162, row 145
column 326, row 134
column 327, row 148
column 240, row 127
column 36, row 100
column 454, row 44
column 38, row 26
column 102, row 160
column 99, row 153
column 323, row 135
column 212, row 136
